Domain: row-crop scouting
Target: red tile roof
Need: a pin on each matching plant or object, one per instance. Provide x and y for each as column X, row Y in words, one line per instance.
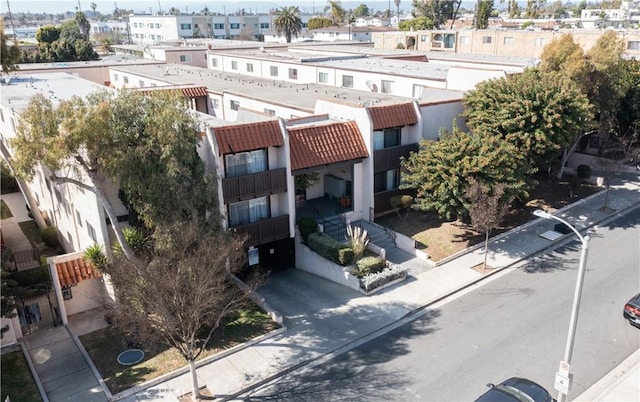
column 74, row 271
column 247, row 137
column 189, row 92
column 388, row 116
column 319, row 145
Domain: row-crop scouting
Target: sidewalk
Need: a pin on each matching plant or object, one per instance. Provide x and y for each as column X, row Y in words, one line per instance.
column 322, row 317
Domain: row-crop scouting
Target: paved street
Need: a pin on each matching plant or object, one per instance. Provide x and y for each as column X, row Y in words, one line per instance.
column 515, row 325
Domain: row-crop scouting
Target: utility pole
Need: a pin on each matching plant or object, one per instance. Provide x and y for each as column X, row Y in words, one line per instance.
column 159, row 8
column 15, row 36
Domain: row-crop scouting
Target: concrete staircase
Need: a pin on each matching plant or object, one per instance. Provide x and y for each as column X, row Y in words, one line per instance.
column 377, row 234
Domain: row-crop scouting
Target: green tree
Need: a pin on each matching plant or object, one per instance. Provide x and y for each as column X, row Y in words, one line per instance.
column 513, row 8
column 10, row 55
column 83, row 24
column 484, row 8
column 566, row 57
column 361, row 11
column 438, row 11
column 417, row 24
column 288, row 21
column 539, row 114
column 628, row 114
column 441, row 171
column 108, row 138
column 48, row 34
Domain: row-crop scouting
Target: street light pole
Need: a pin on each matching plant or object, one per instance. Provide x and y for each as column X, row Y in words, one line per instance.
column 576, row 299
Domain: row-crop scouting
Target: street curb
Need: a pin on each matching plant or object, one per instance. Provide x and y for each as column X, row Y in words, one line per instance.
column 613, row 379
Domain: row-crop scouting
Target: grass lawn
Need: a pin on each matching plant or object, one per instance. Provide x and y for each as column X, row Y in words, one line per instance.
column 105, row 345
column 440, row 238
column 17, row 381
column 5, row 212
column 31, row 230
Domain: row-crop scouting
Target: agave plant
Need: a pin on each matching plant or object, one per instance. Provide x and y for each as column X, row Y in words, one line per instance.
column 96, row 256
column 359, row 238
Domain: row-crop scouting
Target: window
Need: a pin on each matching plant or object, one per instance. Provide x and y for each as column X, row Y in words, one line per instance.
column 633, row 45
column 185, row 27
column 347, row 81
column 270, row 112
column 234, row 25
column 293, row 73
column 323, row 78
column 235, row 105
column 153, row 37
column 264, row 25
column 135, row 24
column 157, row 26
column 1, row 115
column 242, row 213
column 185, row 58
column 273, row 71
column 540, row 41
column 126, row 79
column 216, row 103
column 244, row 163
column 78, row 218
column 486, row 39
column 249, row 67
column 234, row 65
column 115, row 77
column 386, row 181
column 423, row 38
column 214, row 62
column 150, row 25
column 141, row 84
column 218, row 26
column 91, row 231
column 508, row 40
column 386, row 138
column 386, row 86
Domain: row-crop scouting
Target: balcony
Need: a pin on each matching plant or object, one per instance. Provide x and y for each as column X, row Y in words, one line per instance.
column 265, row 230
column 389, row 158
column 254, row 185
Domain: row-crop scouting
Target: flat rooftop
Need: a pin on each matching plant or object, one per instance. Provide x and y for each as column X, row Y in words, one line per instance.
column 55, row 86
column 118, row 59
column 297, row 96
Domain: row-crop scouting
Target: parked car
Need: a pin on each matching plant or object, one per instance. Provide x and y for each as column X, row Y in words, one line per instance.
column 632, row 311
column 516, row 389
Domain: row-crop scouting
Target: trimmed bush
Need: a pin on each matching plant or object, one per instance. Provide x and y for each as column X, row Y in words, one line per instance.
column 50, row 236
column 307, row 226
column 369, row 265
column 584, row 171
column 345, row 256
column 401, row 201
column 330, row 248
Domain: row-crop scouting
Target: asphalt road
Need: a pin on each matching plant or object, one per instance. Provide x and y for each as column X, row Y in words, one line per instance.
column 515, row 325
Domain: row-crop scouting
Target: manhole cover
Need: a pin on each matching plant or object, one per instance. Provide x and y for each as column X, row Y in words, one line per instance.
column 130, row 356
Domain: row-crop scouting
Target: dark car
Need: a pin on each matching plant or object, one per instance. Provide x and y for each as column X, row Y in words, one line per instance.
column 516, row 389
column 632, row 311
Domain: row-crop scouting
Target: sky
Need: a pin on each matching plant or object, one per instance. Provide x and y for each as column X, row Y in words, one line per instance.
column 260, row 6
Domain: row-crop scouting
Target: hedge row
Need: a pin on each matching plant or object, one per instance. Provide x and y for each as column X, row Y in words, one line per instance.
column 330, row 248
column 378, row 279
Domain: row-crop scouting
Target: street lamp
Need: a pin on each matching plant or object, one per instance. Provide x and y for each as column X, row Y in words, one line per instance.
column 562, row 377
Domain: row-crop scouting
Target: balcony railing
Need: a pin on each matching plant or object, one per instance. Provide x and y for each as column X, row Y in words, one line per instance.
column 254, row 185
column 265, row 230
column 389, row 158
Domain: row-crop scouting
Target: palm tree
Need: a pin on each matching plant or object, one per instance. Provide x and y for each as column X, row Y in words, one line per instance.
column 337, row 12
column 288, row 21
column 397, row 2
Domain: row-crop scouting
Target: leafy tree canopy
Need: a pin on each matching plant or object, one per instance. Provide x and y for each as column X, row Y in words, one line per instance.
column 441, row 171
column 416, row 24
column 361, row 11
column 10, row 55
column 537, row 113
column 437, row 11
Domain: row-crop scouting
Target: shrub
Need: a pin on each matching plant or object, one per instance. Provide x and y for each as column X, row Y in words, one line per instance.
column 95, row 255
column 584, row 171
column 401, row 201
column 330, row 248
column 358, row 239
column 50, row 236
column 345, row 256
column 307, row 226
column 369, row 265
column 378, row 279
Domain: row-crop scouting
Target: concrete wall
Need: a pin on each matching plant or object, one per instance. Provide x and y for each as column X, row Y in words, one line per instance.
column 14, row 333
column 311, row 262
column 87, row 295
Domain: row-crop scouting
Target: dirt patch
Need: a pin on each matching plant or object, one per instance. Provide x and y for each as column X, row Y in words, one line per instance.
column 482, row 269
column 441, row 238
column 205, row 395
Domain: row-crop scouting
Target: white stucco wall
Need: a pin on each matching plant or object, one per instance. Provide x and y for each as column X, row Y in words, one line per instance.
column 87, row 295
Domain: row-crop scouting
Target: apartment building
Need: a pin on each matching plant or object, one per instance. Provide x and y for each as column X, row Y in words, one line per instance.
column 153, row 29
column 496, row 42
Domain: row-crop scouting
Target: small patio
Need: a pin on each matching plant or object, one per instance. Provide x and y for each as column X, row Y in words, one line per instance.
column 324, row 206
